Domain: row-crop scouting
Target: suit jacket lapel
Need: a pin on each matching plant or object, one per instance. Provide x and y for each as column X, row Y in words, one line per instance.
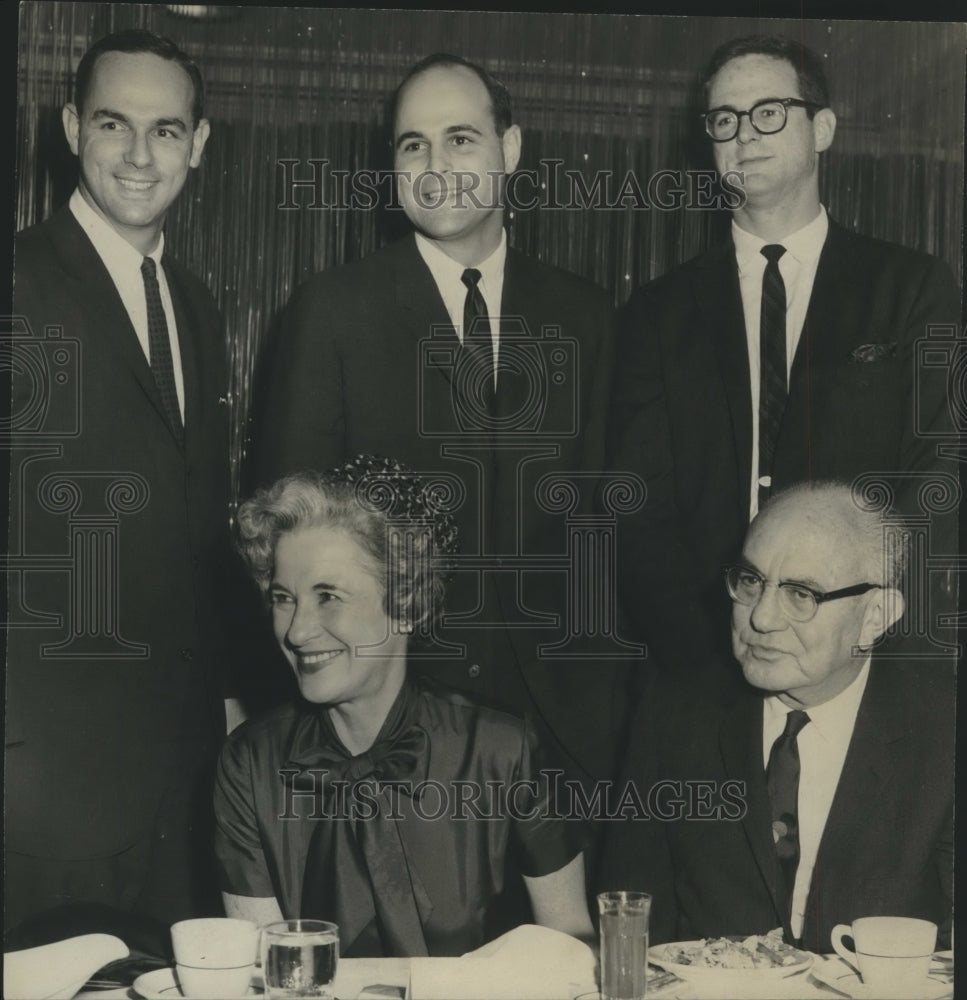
column 189, row 347
column 421, row 310
column 108, row 317
column 824, row 314
column 720, row 302
column 871, row 759
column 820, row 330
column 820, row 340
column 527, row 314
column 523, row 395
column 740, row 741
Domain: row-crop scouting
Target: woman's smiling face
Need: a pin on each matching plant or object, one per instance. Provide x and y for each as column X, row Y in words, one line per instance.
column 329, row 616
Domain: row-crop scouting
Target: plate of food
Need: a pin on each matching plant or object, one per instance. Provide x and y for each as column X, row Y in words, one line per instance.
column 714, row 963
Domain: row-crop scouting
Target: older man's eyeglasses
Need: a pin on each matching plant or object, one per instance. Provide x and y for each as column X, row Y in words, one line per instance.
column 767, row 117
column 798, row 602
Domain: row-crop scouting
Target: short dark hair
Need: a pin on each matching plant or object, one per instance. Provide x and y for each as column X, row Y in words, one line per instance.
column 137, row 40
column 808, row 66
column 499, row 95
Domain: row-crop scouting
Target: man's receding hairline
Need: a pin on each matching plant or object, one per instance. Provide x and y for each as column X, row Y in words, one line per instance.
column 450, row 66
column 101, row 56
column 817, row 508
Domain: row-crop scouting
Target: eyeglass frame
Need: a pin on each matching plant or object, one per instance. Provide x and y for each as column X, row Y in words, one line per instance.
column 819, row 596
column 785, row 102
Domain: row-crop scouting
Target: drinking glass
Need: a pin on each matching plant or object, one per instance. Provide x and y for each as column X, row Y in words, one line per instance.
column 299, row 959
column 624, row 944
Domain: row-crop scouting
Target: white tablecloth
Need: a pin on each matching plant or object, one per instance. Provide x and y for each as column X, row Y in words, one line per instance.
column 352, row 976
column 356, row 973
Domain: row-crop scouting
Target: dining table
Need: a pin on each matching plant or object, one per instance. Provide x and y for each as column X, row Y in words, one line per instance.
column 353, row 976
column 460, row 979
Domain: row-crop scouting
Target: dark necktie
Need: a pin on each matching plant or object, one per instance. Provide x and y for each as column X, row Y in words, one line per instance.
column 782, row 777
column 159, row 347
column 478, row 350
column 772, row 358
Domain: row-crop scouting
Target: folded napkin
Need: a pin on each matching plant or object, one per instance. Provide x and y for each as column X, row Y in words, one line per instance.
column 527, row 963
column 57, row 971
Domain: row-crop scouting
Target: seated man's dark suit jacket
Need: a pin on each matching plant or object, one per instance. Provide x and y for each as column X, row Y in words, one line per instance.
column 860, row 401
column 114, row 704
column 887, row 848
column 353, row 370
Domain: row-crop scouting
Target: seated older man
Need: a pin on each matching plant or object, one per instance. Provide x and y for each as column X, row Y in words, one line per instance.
column 822, row 789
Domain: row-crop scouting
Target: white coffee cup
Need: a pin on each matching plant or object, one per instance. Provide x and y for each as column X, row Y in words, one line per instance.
column 215, row 956
column 892, row 954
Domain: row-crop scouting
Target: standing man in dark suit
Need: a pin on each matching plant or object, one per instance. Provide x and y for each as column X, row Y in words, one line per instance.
column 789, row 352
column 119, row 521
column 458, row 355
column 820, row 791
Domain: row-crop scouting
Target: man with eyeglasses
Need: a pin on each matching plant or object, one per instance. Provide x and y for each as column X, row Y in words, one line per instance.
column 826, row 779
column 787, row 353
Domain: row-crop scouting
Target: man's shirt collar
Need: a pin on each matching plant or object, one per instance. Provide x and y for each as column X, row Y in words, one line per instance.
column 804, row 244
column 834, row 719
column 111, row 246
column 446, row 270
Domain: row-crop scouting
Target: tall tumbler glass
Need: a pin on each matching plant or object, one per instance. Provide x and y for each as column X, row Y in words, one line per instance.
column 624, row 944
column 299, row 959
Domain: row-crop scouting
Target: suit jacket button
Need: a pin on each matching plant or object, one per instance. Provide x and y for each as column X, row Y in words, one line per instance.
column 186, row 654
column 474, row 670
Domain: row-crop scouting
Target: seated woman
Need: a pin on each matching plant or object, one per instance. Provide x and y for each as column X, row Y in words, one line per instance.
column 380, row 802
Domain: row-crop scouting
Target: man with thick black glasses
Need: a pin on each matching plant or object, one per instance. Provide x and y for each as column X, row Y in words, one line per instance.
column 788, row 352
column 826, row 779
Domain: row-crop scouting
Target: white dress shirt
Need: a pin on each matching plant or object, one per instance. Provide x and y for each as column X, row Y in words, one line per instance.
column 123, row 263
column 448, row 273
column 822, row 744
column 798, row 269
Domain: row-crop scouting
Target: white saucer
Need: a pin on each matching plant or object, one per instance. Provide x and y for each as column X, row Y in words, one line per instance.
column 162, row 984
column 831, row 973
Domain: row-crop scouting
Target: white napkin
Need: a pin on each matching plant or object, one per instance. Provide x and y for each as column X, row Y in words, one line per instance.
column 527, row 963
column 57, row 971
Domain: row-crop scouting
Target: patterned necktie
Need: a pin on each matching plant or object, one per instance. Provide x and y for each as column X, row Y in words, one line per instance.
column 782, row 777
column 160, row 349
column 772, row 367
column 477, row 379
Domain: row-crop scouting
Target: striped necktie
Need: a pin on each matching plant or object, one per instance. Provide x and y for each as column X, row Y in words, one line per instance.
column 772, row 368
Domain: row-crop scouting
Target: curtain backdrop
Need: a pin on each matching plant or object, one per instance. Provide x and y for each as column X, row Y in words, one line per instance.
column 609, row 99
